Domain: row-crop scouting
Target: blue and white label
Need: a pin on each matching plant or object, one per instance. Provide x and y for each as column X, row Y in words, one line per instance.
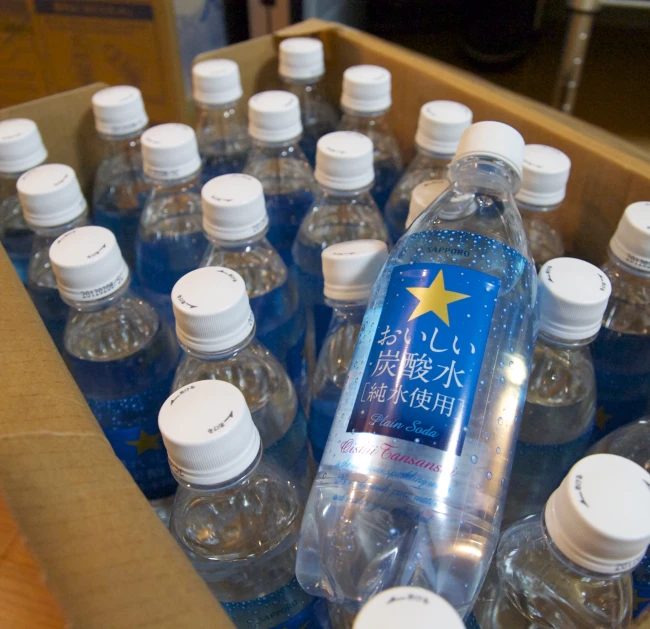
column 425, row 359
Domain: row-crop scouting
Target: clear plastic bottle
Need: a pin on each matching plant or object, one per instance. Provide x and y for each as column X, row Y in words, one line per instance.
column 621, row 352
column 342, row 210
column 215, row 327
column 543, row 188
column 410, row 489
column 236, row 513
column 301, row 69
column 407, row 607
column 350, row 270
column 235, row 222
column 423, row 196
column 120, row 191
column 277, row 160
column 365, row 101
column 119, row 351
column 221, row 126
column 558, row 421
column 52, row 204
column 440, row 126
column 569, row 566
column 170, row 239
column 21, row 148
column 632, row 442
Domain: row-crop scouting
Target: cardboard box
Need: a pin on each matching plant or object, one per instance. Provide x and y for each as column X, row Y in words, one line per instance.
column 103, row 551
column 47, row 46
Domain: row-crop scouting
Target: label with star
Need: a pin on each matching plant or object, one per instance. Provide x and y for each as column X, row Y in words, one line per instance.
column 424, row 363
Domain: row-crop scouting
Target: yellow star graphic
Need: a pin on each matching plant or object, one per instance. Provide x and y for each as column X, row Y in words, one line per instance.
column 146, row 442
column 435, row 299
column 602, row 418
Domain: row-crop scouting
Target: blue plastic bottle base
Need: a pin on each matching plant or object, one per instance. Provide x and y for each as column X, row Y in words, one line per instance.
column 18, row 245
column 215, row 166
column 124, row 225
column 53, row 311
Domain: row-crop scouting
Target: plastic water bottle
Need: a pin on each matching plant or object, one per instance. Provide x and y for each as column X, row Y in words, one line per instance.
column 52, row 204
column 343, row 210
column 277, row 160
column 559, row 416
column 221, row 126
column 350, row 270
column 440, row 126
column 120, row 190
column 570, row 566
column 235, row 222
column 301, row 69
column 215, row 327
column 411, row 488
column 21, row 148
column 120, row 353
column 408, row 607
column 543, row 188
column 365, row 101
column 621, row 352
column 423, row 196
column 236, row 513
column 632, row 442
column 170, row 237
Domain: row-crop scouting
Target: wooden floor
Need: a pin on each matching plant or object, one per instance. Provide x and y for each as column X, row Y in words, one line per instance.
column 25, row 601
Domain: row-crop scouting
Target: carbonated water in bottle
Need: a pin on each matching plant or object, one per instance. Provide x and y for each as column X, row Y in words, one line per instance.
column 621, row 352
column 558, row 420
column 119, row 351
column 569, row 567
column 440, row 126
column 170, row 239
column 350, row 270
column 120, row 191
column 301, row 69
column 52, row 204
column 21, row 148
column 343, row 210
column 215, row 327
column 632, row 442
column 423, row 196
column 236, row 513
column 277, row 160
column 221, row 127
column 235, row 222
column 365, row 101
column 411, row 488
column 543, row 188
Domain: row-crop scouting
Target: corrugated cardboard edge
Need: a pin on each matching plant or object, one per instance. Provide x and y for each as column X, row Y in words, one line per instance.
column 105, row 555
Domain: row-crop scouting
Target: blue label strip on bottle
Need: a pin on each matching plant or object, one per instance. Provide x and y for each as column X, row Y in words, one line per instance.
column 424, row 364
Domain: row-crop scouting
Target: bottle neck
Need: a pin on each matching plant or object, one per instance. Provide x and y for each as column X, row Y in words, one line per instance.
column 365, row 115
column 346, row 195
column 623, row 270
column 528, row 207
column 347, row 309
column 58, row 230
column 550, row 340
column 175, row 185
column 216, row 107
column 441, row 159
column 95, row 305
column 221, row 355
column 311, row 81
column 483, row 174
column 238, row 246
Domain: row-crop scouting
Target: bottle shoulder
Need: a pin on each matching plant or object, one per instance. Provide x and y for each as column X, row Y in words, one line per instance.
column 385, row 146
column 336, row 354
column 281, row 170
column 628, row 309
column 173, row 208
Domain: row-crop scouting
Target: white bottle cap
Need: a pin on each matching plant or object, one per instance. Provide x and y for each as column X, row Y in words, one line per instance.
column 234, row 207
column 545, row 175
column 572, row 295
column 350, row 268
column 423, row 195
column 408, row 607
column 50, row 195
column 209, row 433
column 599, row 517
column 344, row 161
column 212, row 310
column 440, row 126
column 631, row 241
column 492, row 139
column 21, row 145
column 366, row 89
column 119, row 110
column 88, row 264
column 274, row 116
column 301, row 58
column 216, row 82
column 170, row 151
